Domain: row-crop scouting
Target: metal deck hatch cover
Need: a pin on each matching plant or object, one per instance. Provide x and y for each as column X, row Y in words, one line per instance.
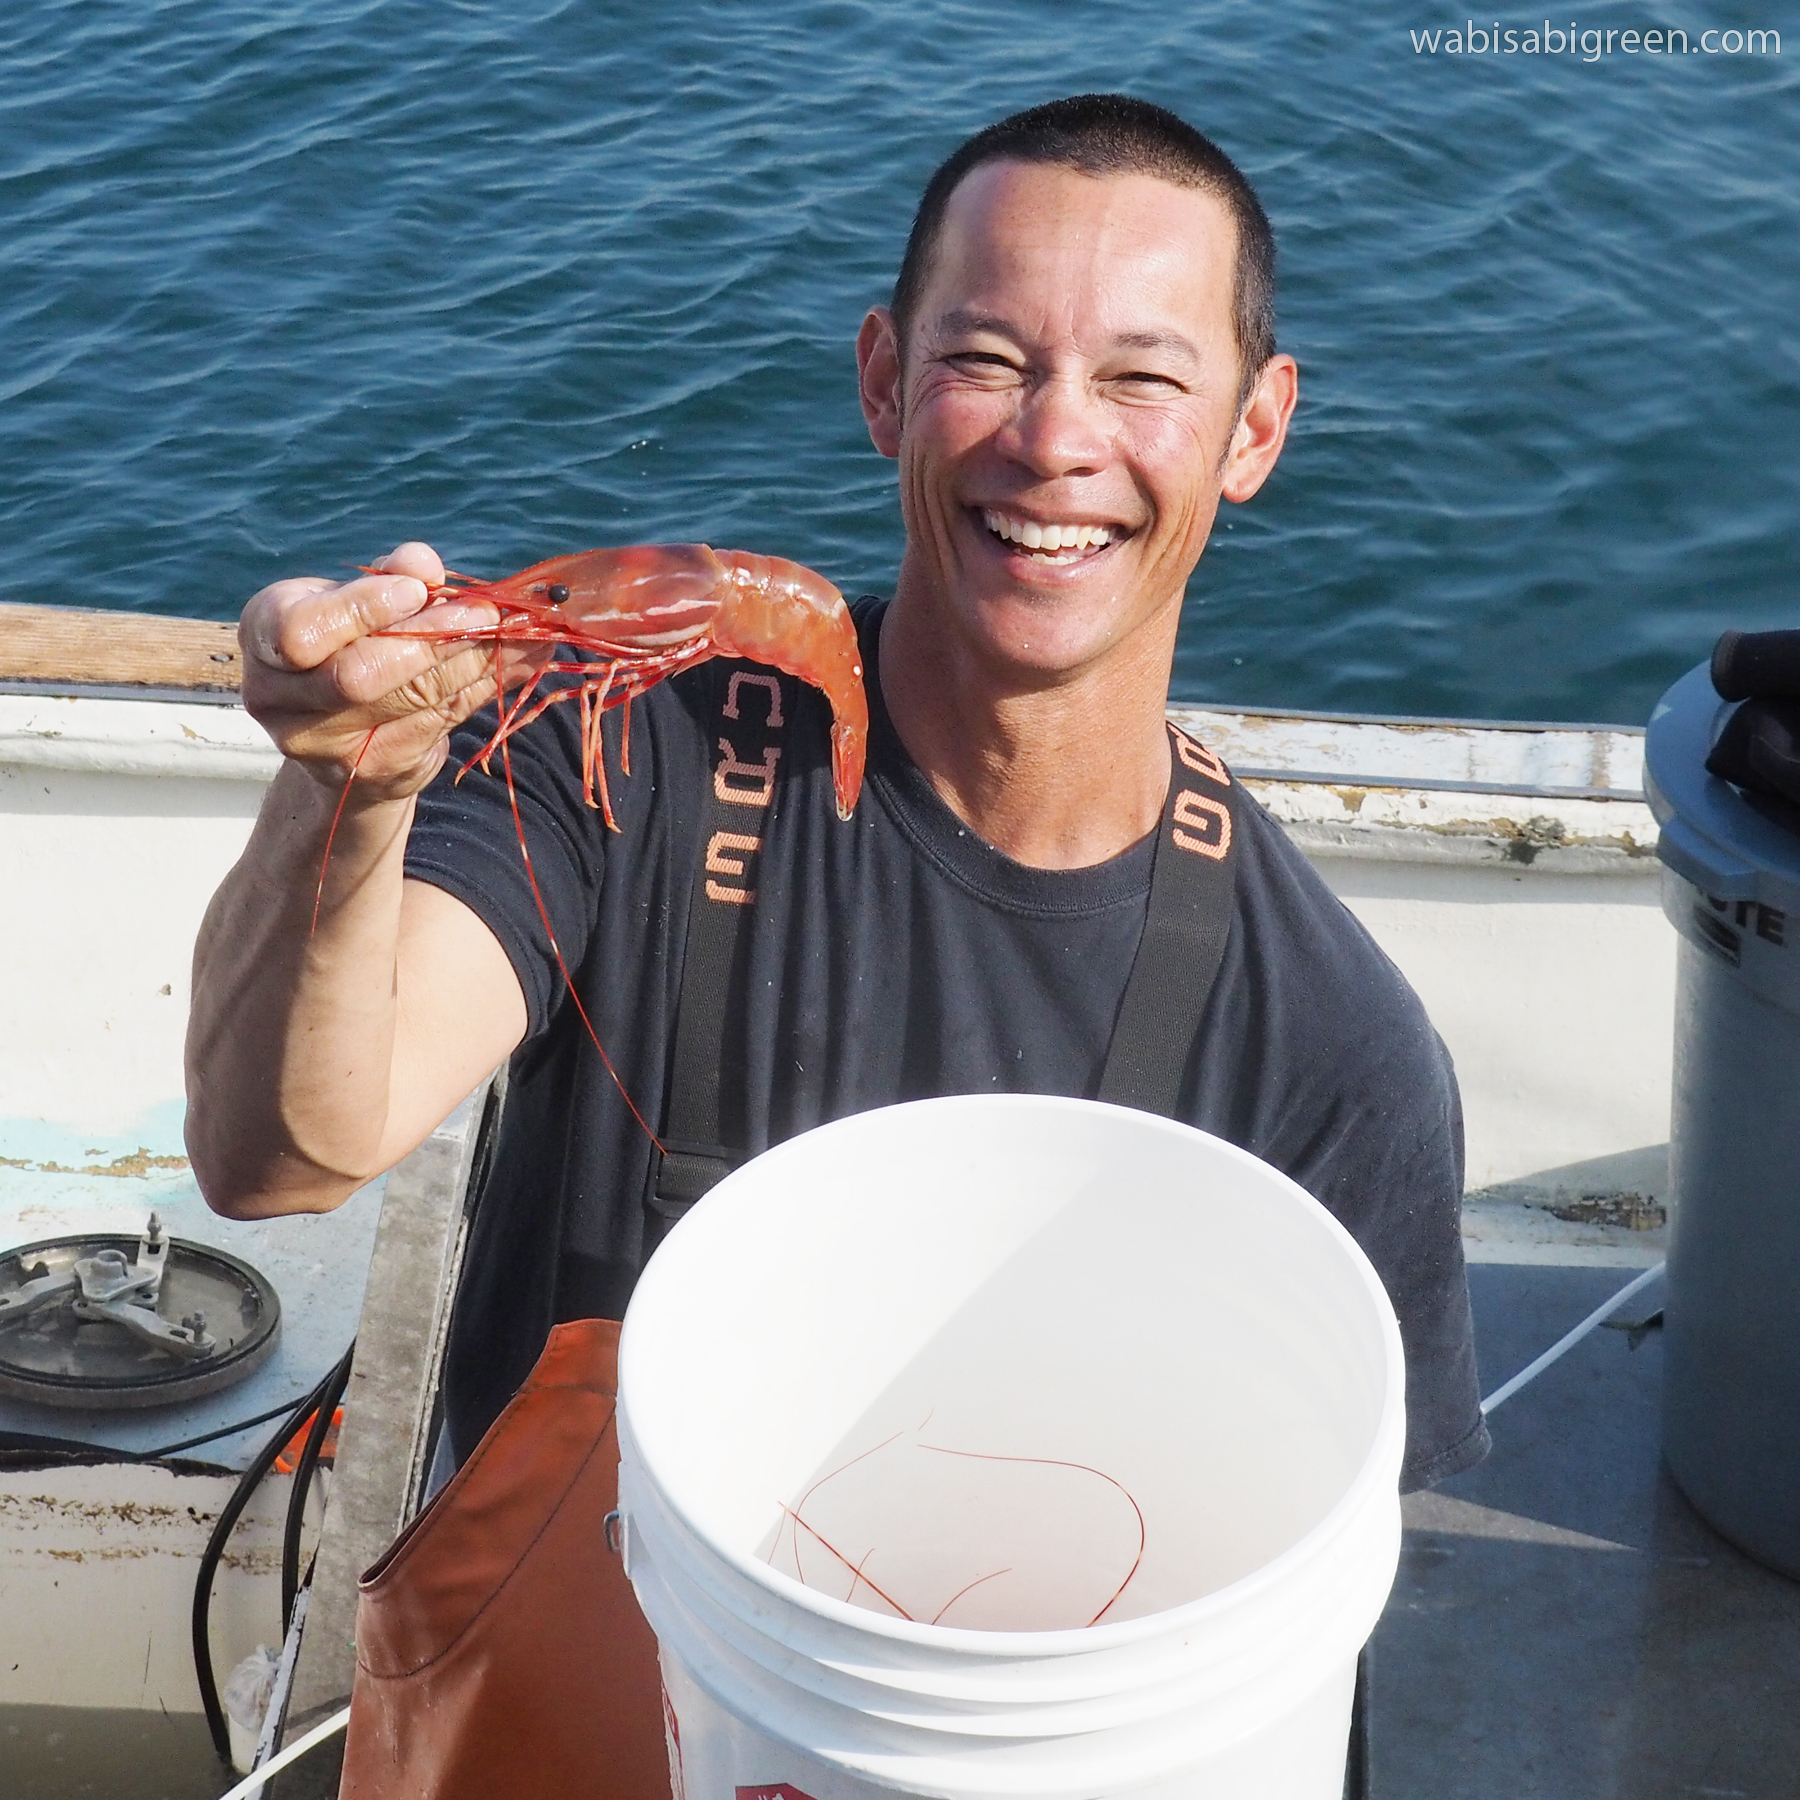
column 108, row 1321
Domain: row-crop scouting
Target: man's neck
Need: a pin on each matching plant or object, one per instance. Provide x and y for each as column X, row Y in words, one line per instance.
column 1056, row 774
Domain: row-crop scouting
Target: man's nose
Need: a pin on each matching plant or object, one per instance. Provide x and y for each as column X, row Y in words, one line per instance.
column 1061, row 429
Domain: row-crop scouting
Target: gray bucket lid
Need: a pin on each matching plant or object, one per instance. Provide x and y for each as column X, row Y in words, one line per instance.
column 1711, row 835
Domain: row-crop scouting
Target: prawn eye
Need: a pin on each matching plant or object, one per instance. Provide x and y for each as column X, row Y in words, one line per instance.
column 558, row 594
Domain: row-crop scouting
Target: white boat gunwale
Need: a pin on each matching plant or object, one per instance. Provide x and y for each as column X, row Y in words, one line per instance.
column 1413, row 851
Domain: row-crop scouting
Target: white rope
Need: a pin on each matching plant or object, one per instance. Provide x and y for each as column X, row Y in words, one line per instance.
column 275, row 1715
column 251, row 1787
column 1569, row 1340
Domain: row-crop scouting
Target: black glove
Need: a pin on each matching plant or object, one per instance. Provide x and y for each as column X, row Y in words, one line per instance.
column 1749, row 664
column 1759, row 749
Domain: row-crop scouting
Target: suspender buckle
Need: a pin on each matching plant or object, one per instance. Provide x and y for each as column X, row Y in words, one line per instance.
column 682, row 1173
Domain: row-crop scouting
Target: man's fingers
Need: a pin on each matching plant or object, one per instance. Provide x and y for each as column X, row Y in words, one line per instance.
column 374, row 671
column 327, row 664
column 367, row 683
column 415, row 559
column 446, row 620
column 429, row 689
column 260, row 624
column 409, row 725
column 516, row 663
column 299, row 624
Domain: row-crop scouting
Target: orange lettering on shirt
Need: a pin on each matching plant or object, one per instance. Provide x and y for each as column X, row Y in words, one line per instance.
column 763, row 773
column 1211, row 817
column 722, row 849
column 742, row 678
column 1200, row 759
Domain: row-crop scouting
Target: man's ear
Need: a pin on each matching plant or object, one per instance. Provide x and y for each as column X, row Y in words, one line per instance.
column 878, row 375
column 1261, row 429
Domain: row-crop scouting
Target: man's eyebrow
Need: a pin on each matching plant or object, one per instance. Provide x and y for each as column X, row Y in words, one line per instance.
column 1172, row 341
column 959, row 321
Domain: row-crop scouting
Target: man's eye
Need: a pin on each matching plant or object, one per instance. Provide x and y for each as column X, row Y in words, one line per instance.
column 985, row 359
column 1149, row 378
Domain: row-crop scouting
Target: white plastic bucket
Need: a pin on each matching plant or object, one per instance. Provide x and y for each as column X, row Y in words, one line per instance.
column 941, row 1360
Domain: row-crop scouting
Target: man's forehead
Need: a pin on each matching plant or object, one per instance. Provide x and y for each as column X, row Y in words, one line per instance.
column 1008, row 185
column 1008, row 217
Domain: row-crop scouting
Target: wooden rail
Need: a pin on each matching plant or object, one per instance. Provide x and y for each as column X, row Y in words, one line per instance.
column 67, row 646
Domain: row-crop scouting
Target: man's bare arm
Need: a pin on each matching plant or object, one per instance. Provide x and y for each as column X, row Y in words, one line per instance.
column 317, row 1058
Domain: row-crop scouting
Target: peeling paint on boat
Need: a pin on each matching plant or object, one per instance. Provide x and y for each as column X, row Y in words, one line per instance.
column 115, row 1549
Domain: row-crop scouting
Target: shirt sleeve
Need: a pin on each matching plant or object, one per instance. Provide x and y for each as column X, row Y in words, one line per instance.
column 1395, row 1181
column 1332, row 1072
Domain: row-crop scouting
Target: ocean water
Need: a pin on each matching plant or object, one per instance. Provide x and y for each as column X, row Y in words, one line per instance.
column 280, row 286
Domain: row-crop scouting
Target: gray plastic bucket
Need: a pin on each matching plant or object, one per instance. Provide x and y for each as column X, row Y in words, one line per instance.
column 1731, row 888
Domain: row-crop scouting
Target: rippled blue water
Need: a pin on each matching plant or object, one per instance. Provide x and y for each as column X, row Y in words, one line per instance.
column 280, row 285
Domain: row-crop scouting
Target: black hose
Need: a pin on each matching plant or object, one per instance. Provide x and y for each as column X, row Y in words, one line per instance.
column 229, row 1514
column 27, row 1443
column 206, row 1437
column 303, row 1480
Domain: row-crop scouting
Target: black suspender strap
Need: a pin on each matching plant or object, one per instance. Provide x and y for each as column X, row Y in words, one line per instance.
column 1191, row 887
column 747, row 712
column 1191, row 890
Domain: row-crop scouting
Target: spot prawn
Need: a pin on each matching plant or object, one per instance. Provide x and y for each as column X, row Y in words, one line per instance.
column 619, row 621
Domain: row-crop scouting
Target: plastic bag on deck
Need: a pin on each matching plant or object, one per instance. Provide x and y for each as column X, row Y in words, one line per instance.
column 245, row 1698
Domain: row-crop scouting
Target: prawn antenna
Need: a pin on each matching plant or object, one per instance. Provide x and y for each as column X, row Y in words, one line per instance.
column 1057, row 1462
column 331, row 835
column 556, row 950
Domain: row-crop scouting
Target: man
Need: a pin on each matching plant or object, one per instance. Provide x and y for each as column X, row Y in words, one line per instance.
column 1078, row 364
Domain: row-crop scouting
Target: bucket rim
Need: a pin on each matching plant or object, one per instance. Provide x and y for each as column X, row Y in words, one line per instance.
column 1380, row 1467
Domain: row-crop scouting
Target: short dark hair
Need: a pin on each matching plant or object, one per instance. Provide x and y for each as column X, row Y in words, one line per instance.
column 1111, row 134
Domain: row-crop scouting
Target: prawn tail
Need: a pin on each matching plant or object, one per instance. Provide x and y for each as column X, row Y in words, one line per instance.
column 783, row 614
column 849, row 748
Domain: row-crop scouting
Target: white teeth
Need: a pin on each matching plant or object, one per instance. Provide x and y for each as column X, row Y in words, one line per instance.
column 1049, row 538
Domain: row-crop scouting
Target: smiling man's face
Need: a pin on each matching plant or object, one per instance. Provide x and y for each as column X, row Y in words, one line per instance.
column 1065, row 414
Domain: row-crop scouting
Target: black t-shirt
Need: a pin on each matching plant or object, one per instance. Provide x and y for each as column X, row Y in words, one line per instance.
column 895, row 957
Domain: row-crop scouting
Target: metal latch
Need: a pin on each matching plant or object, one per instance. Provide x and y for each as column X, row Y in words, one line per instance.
column 106, row 1287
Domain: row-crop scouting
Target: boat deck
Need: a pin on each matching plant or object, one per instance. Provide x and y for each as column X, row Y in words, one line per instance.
column 1564, row 1625
column 317, row 1265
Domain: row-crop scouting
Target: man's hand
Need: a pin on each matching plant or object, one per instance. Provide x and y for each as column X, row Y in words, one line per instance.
column 319, row 676
column 339, row 1009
